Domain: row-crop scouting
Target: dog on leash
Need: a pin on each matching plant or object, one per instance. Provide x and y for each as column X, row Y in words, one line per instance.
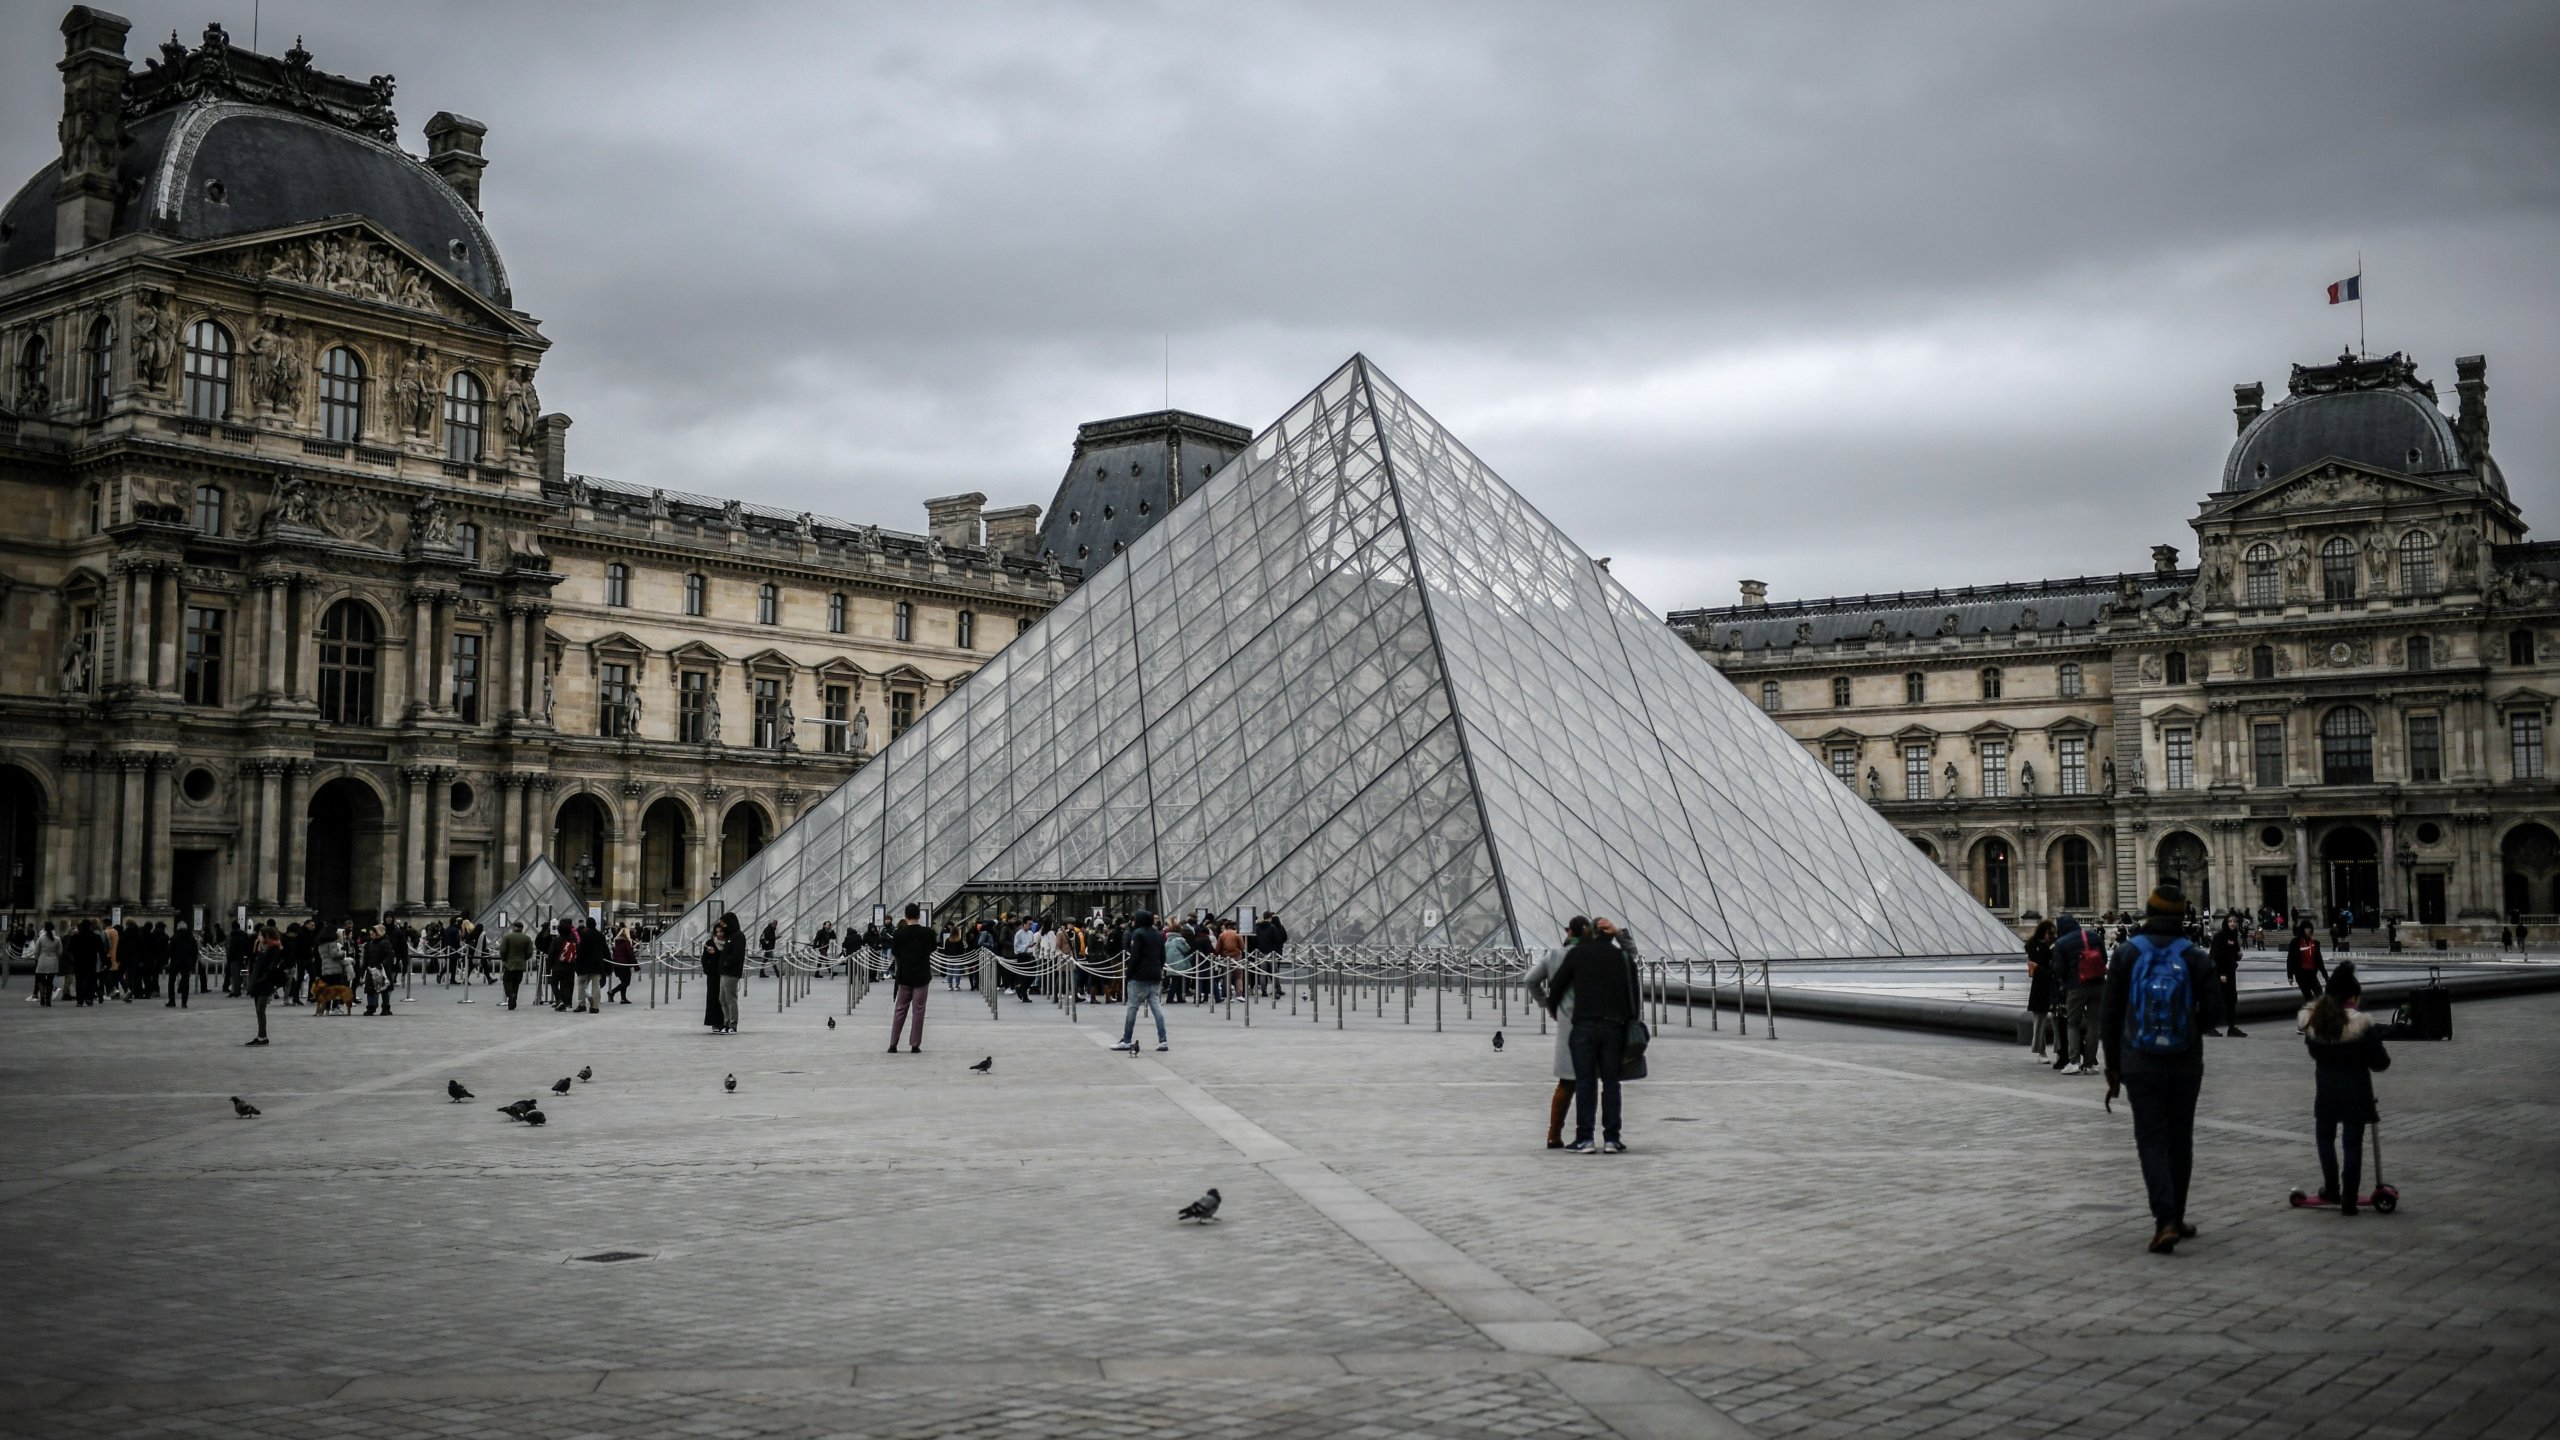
column 324, row 995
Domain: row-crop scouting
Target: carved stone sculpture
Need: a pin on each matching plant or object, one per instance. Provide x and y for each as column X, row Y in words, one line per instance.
column 734, row 515
column 2027, row 778
column 805, row 526
column 150, row 339
column 75, row 666
column 658, row 505
column 414, row 391
column 711, row 718
column 786, row 727
column 861, row 732
column 1951, row 779
column 293, row 503
column 430, row 523
column 275, row 366
column 1875, row 784
column 2377, row 560
column 520, row 408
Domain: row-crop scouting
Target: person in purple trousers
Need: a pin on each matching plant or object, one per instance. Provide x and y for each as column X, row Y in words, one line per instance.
column 911, row 968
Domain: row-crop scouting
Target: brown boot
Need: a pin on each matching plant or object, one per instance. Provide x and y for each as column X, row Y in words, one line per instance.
column 1557, row 1105
column 2164, row 1239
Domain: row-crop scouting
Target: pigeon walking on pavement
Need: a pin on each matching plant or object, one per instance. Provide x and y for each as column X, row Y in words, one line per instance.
column 534, row 1117
column 586, row 1072
column 561, row 1086
column 986, row 1066
column 454, row 1089
column 831, row 1022
column 1497, row 1039
column 242, row 1108
column 518, row 1110
column 1203, row 1209
column 730, row 1084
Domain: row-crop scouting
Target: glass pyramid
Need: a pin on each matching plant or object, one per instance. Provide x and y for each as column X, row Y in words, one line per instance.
column 538, row 895
column 1357, row 679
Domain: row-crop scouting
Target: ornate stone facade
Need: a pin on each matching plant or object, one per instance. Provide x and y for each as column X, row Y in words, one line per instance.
column 307, row 612
column 2346, row 704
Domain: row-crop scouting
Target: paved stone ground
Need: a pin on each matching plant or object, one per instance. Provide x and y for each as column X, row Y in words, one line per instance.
column 1837, row 1232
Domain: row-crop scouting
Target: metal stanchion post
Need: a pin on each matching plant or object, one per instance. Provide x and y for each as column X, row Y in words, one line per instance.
column 1768, row 1002
column 1439, row 987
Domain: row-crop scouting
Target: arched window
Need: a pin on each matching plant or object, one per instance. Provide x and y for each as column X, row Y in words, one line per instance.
column 965, row 629
column 835, row 613
column 2265, row 575
column 2417, row 563
column 466, row 415
column 349, row 640
column 1840, row 690
column 35, row 362
column 695, row 590
column 617, row 584
column 1769, row 696
column 2338, row 568
column 768, row 604
column 341, row 395
column 903, row 622
column 1991, row 682
column 467, row 536
column 2174, row 665
column 208, row 371
column 2346, row 747
column 2071, row 685
column 2262, row 662
column 101, row 367
column 1995, row 874
column 208, row 509
column 2075, row 873
column 1915, row 688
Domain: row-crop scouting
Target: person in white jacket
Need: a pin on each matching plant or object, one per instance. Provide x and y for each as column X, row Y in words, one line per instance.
column 47, row 951
column 1535, row 983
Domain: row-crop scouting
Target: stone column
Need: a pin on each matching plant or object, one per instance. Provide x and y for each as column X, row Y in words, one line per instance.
column 158, row 862
column 440, row 656
column 502, row 835
column 67, row 884
column 537, row 817
column 128, row 886
column 266, row 888
column 301, row 644
column 167, row 578
column 270, row 637
column 2304, row 901
column 294, row 826
column 413, row 831
column 137, row 624
column 99, row 850
column 440, row 845
column 706, row 847
column 538, row 677
column 506, row 661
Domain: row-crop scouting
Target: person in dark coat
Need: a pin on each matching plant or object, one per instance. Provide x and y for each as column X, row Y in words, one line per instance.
column 266, row 976
column 88, row 954
column 2163, row 1088
column 711, row 1013
column 733, row 970
column 1598, row 975
column 1143, row 964
column 2302, row 961
column 183, row 960
column 592, row 961
column 2225, row 951
column 2040, row 986
column 2346, row 1048
column 911, row 973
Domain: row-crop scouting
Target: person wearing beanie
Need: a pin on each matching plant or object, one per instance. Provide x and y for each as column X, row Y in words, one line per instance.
column 2161, row 1083
column 2346, row 1049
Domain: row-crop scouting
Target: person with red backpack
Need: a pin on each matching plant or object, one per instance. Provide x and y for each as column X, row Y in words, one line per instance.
column 2083, row 959
column 2161, row 1001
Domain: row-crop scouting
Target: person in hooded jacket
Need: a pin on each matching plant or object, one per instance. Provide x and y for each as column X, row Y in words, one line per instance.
column 593, row 959
column 2346, row 1051
column 2225, row 953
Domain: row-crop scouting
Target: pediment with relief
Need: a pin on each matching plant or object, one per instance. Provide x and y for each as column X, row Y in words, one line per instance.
column 355, row 261
column 2333, row 484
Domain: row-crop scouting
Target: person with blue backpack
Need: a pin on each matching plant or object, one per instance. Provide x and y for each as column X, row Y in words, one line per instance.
column 2161, row 1001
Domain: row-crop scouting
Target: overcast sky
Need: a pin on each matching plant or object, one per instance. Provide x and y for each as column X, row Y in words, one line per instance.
column 1845, row 298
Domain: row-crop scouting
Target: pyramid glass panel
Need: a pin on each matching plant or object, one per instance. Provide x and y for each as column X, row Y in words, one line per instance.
column 1357, row 678
column 538, row 895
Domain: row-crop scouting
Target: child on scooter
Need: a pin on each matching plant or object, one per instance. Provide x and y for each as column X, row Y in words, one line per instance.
column 2346, row 1047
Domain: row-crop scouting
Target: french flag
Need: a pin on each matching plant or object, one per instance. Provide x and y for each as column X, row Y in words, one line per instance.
column 2351, row 288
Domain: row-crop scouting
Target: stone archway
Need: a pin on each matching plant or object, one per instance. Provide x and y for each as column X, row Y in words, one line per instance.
column 2529, row 864
column 2182, row 858
column 21, row 838
column 342, row 879
column 582, row 844
column 666, row 853
column 1991, row 867
column 743, row 832
column 2351, row 874
column 2071, row 874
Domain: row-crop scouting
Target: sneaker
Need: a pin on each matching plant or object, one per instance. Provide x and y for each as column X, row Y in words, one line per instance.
column 1129, row 1045
column 1612, row 1147
column 2071, row 1069
column 1161, row 1047
column 1582, row 1147
column 2235, row 1033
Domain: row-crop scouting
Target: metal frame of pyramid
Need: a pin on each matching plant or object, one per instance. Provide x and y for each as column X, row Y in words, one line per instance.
column 538, row 891
column 1357, row 679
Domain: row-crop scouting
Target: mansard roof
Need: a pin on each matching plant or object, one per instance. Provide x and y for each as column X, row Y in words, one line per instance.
column 1908, row 614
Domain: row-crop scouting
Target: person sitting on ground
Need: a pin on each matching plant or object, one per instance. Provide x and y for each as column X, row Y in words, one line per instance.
column 2346, row 1049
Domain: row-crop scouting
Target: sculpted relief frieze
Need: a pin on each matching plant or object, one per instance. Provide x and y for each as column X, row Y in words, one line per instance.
column 352, row 266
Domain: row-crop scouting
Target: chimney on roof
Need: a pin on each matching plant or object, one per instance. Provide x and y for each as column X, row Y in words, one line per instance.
column 2248, row 400
column 93, row 75
column 1014, row 530
column 1755, row 594
column 2164, row 559
column 555, row 448
column 453, row 151
column 953, row 519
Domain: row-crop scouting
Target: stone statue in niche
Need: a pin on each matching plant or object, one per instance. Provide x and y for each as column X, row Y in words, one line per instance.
column 2297, row 563
column 2377, row 560
column 2027, row 778
column 1951, row 779
column 711, row 718
column 2107, row 775
column 1875, row 782
column 275, row 370
column 861, row 732
column 415, row 390
column 546, row 695
column 631, row 712
column 933, row 550
column 293, row 503
column 786, row 727
column 2462, row 548
column 150, row 339
column 430, row 523
column 1947, row 626
column 76, row 666
column 520, row 408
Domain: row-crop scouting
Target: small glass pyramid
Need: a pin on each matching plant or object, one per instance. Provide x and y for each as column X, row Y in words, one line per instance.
column 539, row 895
column 1357, row 679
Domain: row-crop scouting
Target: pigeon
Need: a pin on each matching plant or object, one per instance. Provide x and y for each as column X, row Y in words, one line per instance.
column 454, row 1089
column 831, row 1022
column 1203, row 1209
column 586, row 1072
column 1497, row 1039
column 561, row 1086
column 730, row 1084
column 986, row 1066
column 534, row 1117
column 518, row 1110
column 242, row 1108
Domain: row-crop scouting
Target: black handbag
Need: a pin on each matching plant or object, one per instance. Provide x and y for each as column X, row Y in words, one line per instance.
column 1639, row 1035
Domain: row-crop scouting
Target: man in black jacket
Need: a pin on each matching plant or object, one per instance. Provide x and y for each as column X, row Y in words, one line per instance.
column 2162, row 1085
column 911, row 971
column 1143, row 964
column 2226, row 974
column 1597, row 975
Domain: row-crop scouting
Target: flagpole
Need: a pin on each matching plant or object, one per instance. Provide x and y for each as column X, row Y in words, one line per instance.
column 2361, row 352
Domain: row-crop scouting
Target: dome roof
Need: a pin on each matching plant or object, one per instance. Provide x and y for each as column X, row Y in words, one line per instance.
column 2372, row 412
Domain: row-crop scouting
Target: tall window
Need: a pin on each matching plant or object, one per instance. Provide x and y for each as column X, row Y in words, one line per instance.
column 2417, row 563
column 693, row 706
column 2262, row 662
column 1769, row 696
column 101, row 367
column 204, row 656
column 2266, row 748
column 2524, row 744
column 903, row 622
column 209, row 510
column 1021, row 624
column 467, row 535
column 617, row 584
column 964, row 628
column 902, row 712
column 2075, row 873
column 208, row 371
column 768, row 713
column 768, row 604
column 2519, row 643
column 2072, row 754
column 2346, row 747
column 341, row 395
column 1995, row 769
column 1991, row 682
column 2174, row 665
column 613, row 700
column 2265, row 574
column 1844, row 763
column 2426, row 747
column 350, row 639
column 1995, row 874
column 466, row 416
column 1915, row 772
column 836, row 701
column 2338, row 569
column 1839, row 691
column 35, row 364
column 2178, row 744
column 835, row 613
column 84, row 624
column 1915, row 688
column 695, row 589
column 2070, row 682
column 2422, row 653
column 466, row 676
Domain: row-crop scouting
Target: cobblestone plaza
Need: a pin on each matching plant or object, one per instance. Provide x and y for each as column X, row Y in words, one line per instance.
column 1835, row 1232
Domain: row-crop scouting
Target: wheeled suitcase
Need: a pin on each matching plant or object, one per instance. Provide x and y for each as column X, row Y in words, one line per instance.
column 2428, row 1015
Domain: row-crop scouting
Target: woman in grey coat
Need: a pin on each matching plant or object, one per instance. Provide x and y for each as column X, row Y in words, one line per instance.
column 1535, row 983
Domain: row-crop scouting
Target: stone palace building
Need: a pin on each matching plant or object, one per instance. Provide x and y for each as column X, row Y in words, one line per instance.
column 2346, row 704
column 306, row 611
